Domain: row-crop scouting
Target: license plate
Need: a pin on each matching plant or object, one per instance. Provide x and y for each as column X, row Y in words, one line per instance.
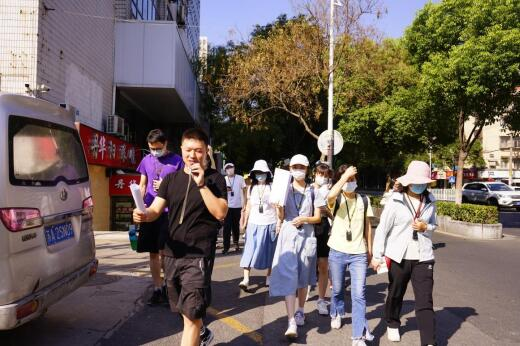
column 59, row 232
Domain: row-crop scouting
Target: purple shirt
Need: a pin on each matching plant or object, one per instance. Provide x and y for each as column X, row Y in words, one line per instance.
column 157, row 168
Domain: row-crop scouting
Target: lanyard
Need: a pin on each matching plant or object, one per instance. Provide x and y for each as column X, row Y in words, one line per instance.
column 298, row 206
column 350, row 217
column 183, row 210
column 415, row 213
column 157, row 170
column 231, row 183
column 261, row 198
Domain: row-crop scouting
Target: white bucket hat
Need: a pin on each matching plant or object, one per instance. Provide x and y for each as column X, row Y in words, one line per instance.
column 299, row 159
column 418, row 173
column 260, row 166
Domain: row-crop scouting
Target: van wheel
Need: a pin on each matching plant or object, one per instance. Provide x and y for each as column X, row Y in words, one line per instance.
column 493, row 202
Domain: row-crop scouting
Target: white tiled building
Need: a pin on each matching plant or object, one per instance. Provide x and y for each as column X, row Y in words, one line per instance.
column 133, row 58
column 498, row 151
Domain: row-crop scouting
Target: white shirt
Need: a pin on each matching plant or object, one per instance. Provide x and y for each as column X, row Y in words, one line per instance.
column 260, row 196
column 320, row 198
column 235, row 186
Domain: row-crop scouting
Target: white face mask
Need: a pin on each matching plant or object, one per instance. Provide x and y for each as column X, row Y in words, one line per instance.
column 351, row 186
column 321, row 180
column 158, row 152
column 230, row 171
column 298, row 174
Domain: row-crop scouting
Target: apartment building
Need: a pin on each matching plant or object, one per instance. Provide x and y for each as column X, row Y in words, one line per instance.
column 122, row 67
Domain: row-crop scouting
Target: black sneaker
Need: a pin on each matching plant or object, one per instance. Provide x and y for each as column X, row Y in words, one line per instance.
column 206, row 336
column 156, row 298
column 164, row 292
column 225, row 252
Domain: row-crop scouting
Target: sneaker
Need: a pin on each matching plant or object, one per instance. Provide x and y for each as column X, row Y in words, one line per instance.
column 206, row 336
column 393, row 334
column 243, row 285
column 368, row 336
column 322, row 307
column 267, row 281
column 237, row 248
column 292, row 331
column 156, row 298
column 335, row 322
column 358, row 342
column 225, row 252
column 299, row 317
column 164, row 292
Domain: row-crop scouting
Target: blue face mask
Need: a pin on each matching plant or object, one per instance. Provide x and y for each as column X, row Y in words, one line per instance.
column 418, row 188
column 261, row 177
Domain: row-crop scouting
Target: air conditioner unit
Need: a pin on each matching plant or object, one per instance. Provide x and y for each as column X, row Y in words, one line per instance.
column 115, row 125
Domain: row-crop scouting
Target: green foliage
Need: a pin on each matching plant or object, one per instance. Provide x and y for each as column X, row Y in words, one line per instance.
column 469, row 212
column 375, row 201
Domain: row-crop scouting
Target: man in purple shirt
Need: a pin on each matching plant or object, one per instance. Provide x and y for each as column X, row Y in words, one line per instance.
column 152, row 236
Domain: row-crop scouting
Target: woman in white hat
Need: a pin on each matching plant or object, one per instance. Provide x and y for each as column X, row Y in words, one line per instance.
column 260, row 218
column 294, row 263
column 403, row 241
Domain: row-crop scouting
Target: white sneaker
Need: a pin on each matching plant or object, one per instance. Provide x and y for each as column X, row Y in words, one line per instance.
column 335, row 322
column 393, row 334
column 267, row 281
column 292, row 331
column 359, row 342
column 322, row 307
column 243, row 284
column 368, row 336
column 299, row 317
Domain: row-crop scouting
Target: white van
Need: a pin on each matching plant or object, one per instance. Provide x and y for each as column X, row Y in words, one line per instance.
column 47, row 245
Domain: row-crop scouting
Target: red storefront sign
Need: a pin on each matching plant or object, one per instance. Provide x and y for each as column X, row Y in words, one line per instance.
column 120, row 184
column 106, row 150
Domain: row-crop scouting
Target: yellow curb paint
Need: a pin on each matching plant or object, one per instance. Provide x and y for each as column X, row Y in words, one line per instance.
column 236, row 325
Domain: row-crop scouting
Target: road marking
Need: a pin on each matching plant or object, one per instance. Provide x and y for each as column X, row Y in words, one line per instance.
column 236, row 325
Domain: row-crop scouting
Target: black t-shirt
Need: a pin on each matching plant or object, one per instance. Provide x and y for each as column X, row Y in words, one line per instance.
column 197, row 235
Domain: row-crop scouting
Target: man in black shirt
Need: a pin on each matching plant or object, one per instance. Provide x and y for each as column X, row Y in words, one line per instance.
column 196, row 198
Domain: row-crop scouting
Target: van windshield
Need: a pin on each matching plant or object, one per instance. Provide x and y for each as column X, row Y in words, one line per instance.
column 44, row 153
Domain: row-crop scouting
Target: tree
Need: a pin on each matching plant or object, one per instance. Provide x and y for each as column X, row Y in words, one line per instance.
column 468, row 54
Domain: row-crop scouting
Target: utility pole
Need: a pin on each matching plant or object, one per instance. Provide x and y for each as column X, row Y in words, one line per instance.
column 511, row 142
column 330, row 123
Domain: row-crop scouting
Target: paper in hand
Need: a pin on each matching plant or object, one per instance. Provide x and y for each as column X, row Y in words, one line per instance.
column 382, row 268
column 280, row 187
column 138, row 198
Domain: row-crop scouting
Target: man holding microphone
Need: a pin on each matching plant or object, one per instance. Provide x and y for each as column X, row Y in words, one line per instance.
column 196, row 197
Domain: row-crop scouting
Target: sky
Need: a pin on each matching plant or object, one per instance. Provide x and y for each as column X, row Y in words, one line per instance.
column 222, row 20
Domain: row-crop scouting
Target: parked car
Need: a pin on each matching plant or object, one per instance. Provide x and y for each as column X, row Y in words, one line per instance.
column 47, row 245
column 492, row 193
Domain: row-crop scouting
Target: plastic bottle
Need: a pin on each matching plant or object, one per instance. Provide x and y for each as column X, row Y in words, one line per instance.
column 132, row 234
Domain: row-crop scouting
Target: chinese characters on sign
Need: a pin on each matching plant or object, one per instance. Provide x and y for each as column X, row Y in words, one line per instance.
column 106, row 150
column 119, row 184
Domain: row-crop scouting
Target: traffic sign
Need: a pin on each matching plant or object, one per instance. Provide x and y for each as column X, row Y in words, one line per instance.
column 324, row 140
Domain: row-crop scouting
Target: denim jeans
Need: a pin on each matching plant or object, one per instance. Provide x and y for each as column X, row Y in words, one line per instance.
column 357, row 265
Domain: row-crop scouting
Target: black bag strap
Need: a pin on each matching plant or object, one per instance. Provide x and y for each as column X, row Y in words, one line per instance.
column 365, row 204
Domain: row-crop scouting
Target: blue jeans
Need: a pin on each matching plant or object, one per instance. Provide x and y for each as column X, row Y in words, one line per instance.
column 357, row 265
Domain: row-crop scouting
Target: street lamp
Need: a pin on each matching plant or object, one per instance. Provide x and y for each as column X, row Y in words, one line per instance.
column 430, row 147
column 330, row 125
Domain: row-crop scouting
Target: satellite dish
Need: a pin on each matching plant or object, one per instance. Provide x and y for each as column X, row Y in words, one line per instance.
column 324, row 139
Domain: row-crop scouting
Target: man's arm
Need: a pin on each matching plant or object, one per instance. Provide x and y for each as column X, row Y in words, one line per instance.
column 218, row 207
column 152, row 213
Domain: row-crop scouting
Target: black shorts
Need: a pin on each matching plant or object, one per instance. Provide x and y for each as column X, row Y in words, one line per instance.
column 152, row 235
column 189, row 285
column 321, row 231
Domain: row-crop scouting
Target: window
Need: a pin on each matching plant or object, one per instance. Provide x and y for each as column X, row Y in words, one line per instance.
column 499, row 187
column 144, row 9
column 43, row 153
column 504, row 163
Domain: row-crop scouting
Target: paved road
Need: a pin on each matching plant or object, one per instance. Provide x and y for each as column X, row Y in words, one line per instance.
column 476, row 297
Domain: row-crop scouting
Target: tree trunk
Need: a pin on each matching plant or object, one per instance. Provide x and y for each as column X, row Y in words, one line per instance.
column 460, row 176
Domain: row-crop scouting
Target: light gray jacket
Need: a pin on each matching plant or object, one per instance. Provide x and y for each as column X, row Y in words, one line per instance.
column 395, row 229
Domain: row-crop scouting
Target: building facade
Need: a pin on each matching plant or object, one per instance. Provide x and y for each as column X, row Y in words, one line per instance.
column 123, row 67
column 501, row 152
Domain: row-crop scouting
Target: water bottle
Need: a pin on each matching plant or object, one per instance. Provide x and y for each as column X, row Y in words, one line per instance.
column 132, row 234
